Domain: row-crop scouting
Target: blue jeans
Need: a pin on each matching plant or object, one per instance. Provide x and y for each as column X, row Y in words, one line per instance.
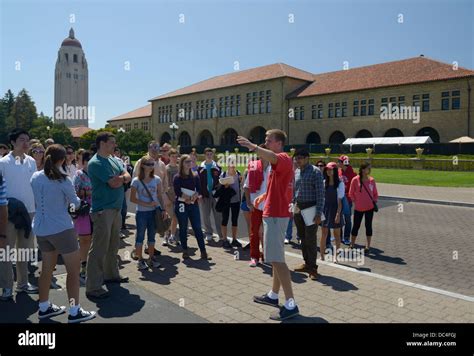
column 289, row 229
column 124, row 210
column 346, row 212
column 145, row 221
column 185, row 212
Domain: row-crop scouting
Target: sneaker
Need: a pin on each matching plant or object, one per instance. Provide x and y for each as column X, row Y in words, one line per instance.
column 286, row 241
column 27, row 288
column 301, row 268
column 165, row 241
column 236, row 243
column 205, row 256
column 142, row 265
column 153, row 262
column 226, row 244
column 122, row 235
column 265, row 299
column 284, row 314
column 346, row 242
column 253, row 262
column 52, row 310
column 209, row 238
column 313, row 275
column 81, row 315
column 7, row 294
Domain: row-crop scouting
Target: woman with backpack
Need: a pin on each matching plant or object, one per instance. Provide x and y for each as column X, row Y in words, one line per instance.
column 364, row 195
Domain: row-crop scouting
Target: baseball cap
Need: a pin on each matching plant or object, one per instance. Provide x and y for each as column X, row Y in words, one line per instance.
column 331, row 165
column 344, row 159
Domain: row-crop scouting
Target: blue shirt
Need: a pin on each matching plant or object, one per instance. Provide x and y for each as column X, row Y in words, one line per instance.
column 309, row 187
column 52, row 199
column 142, row 194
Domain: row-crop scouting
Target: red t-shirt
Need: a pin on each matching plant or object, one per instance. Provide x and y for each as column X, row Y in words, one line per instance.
column 280, row 188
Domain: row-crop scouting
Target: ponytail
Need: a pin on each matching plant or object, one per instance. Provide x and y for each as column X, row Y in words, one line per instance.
column 53, row 155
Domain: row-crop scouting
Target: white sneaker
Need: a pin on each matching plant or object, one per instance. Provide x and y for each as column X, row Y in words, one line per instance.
column 153, row 262
column 142, row 265
column 253, row 262
column 81, row 315
column 286, row 241
column 209, row 238
column 165, row 241
column 27, row 288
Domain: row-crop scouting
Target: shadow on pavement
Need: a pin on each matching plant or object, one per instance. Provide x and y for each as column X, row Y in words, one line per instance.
column 301, row 319
column 296, row 277
column 20, row 310
column 120, row 303
column 165, row 273
column 336, row 283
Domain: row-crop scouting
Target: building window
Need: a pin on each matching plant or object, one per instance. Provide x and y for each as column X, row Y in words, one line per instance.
column 67, row 57
column 455, row 100
column 425, row 102
column 371, row 107
column 145, row 126
column 344, row 109
column 356, row 108
column 254, row 103
column 74, row 58
column 331, row 111
column 416, row 100
column 314, row 112
column 135, row 125
column 237, row 105
column 248, row 105
column 128, row 127
column 298, row 112
column 338, row 110
column 269, row 102
column 320, row 111
column 445, row 100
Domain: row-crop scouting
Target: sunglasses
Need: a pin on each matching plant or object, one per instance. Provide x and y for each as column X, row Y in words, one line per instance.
column 70, row 153
column 188, row 161
column 321, row 165
column 37, row 151
column 149, row 164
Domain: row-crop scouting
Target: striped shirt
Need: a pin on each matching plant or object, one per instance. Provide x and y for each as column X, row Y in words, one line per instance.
column 3, row 192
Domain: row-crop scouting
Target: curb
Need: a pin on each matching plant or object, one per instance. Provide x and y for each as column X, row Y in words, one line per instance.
column 428, row 201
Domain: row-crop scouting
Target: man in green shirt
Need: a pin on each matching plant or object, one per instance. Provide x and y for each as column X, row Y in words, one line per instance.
column 107, row 178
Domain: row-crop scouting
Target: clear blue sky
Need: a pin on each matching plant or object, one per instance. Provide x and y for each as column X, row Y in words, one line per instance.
column 165, row 55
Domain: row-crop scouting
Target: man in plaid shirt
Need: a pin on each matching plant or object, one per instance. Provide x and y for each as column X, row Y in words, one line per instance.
column 308, row 192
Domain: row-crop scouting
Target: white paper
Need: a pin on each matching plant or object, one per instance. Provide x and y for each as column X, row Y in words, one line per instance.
column 308, row 215
column 188, row 192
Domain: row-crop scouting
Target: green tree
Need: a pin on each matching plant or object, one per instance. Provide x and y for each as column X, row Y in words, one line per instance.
column 6, row 107
column 86, row 140
column 134, row 141
column 23, row 112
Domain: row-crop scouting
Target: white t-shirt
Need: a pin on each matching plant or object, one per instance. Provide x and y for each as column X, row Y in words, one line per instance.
column 17, row 176
column 71, row 171
column 263, row 187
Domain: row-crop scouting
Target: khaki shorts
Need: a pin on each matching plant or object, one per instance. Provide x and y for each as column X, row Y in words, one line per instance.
column 274, row 231
column 63, row 242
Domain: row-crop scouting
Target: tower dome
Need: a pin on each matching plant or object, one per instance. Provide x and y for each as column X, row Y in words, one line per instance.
column 71, row 40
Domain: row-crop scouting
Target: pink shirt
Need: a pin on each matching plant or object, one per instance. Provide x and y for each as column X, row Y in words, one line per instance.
column 359, row 195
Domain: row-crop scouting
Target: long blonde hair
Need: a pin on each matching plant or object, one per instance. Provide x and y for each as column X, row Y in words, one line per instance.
column 141, row 168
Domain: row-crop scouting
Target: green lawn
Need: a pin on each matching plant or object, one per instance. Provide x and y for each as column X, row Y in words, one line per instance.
column 426, row 178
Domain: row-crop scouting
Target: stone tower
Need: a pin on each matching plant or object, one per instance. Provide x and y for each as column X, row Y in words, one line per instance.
column 71, row 84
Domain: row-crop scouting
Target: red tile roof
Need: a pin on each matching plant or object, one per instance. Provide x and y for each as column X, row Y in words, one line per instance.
column 78, row 131
column 407, row 71
column 272, row 71
column 144, row 111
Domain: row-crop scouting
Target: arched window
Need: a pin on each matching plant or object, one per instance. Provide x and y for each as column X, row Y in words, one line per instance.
column 205, row 138
column 429, row 131
column 165, row 138
column 364, row 134
column 337, row 137
column 229, row 137
column 393, row 133
column 313, row 138
column 184, row 139
column 257, row 135
column 74, row 58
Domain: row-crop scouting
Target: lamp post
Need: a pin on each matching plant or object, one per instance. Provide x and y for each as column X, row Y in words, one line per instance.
column 174, row 128
column 121, row 130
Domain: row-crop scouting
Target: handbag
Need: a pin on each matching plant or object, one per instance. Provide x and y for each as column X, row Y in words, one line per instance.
column 376, row 208
column 161, row 225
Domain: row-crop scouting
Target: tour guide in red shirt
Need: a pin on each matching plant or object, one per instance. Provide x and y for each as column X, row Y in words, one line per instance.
column 276, row 215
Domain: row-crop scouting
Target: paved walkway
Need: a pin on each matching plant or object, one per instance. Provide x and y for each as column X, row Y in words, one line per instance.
column 221, row 290
column 464, row 195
